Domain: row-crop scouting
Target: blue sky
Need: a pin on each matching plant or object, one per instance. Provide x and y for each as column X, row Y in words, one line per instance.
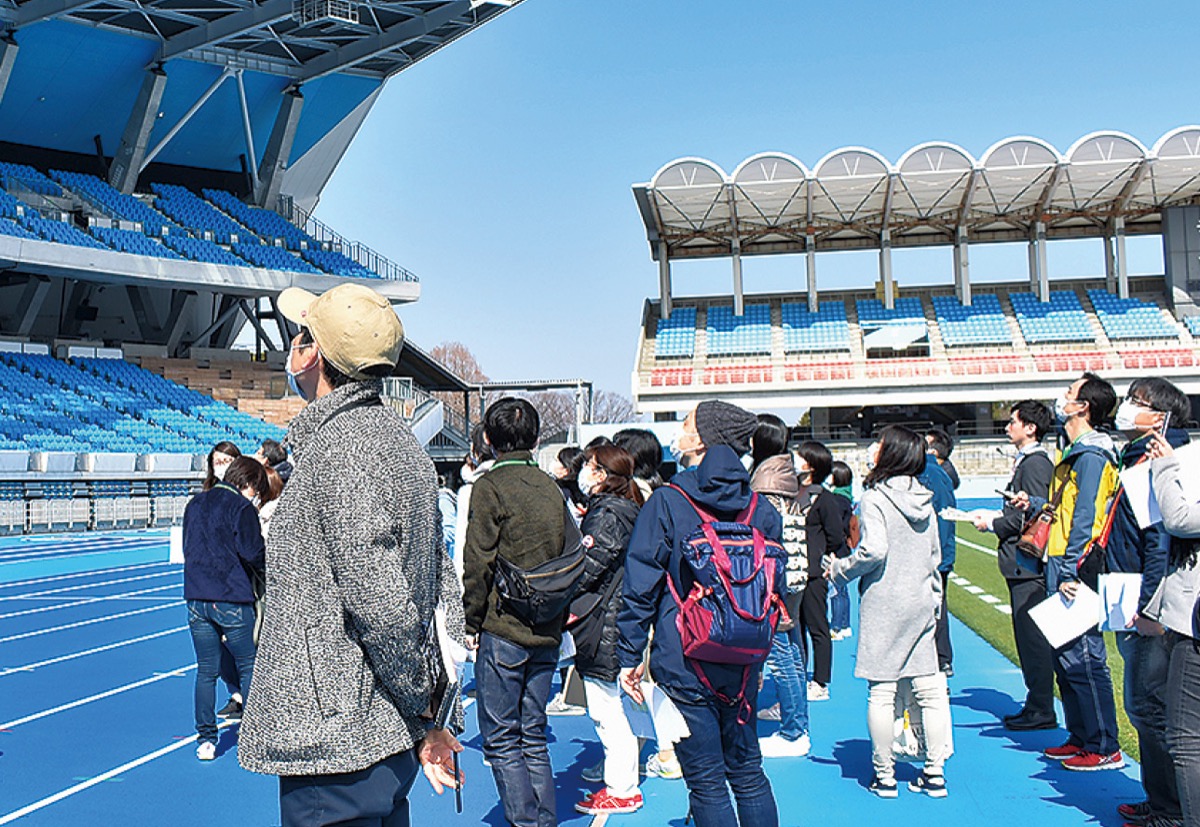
column 499, row 169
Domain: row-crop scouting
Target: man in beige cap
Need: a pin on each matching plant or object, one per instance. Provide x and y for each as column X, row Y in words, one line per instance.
column 355, row 568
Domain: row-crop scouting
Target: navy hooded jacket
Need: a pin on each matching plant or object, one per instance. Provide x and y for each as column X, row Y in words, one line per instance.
column 935, row 478
column 721, row 486
column 221, row 541
column 1140, row 550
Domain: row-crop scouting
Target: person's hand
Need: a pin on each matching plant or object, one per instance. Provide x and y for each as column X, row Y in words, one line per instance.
column 1068, row 588
column 1020, row 501
column 436, row 753
column 471, row 642
column 1159, row 447
column 981, row 520
column 827, row 566
column 1146, row 627
column 630, row 679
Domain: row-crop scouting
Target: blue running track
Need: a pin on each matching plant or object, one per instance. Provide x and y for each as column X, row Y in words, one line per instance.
column 96, row 671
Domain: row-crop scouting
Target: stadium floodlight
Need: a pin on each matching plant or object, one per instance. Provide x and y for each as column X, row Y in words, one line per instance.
column 307, row 12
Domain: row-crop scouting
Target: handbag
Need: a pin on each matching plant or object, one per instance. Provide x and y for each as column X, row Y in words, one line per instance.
column 543, row 594
column 1036, row 536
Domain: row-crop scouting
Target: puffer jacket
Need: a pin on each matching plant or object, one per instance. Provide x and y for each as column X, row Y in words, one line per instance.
column 606, row 529
column 355, row 568
column 775, row 478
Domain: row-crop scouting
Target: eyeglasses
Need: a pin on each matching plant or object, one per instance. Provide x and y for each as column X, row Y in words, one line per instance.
column 1141, row 403
column 597, row 467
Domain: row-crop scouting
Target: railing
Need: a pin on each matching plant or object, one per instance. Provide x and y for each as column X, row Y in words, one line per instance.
column 330, row 240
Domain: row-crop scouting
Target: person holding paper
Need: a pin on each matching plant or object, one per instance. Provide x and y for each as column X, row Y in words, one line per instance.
column 1149, row 404
column 1028, row 423
column 1086, row 477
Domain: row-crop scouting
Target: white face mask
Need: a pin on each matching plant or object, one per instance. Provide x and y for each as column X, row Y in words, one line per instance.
column 586, row 481
column 1060, row 409
column 219, row 470
column 1128, row 413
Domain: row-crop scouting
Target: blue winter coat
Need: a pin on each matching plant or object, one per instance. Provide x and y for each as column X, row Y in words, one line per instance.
column 221, row 541
column 722, row 486
column 935, row 478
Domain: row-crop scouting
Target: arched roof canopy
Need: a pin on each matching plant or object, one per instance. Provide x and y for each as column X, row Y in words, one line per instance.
column 1101, row 172
column 770, row 197
column 934, row 184
column 691, row 202
column 850, row 194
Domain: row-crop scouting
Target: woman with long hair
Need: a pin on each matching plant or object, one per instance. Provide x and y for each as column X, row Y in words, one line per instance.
column 217, row 463
column 896, row 564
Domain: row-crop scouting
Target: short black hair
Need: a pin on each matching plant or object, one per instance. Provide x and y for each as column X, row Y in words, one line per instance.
column 840, row 474
column 770, row 439
column 819, row 459
column 480, row 452
column 512, row 424
column 1164, row 398
column 572, row 459
column 246, row 472
column 940, row 442
column 1032, row 412
column 645, row 449
column 273, row 452
column 1099, row 396
column 901, row 454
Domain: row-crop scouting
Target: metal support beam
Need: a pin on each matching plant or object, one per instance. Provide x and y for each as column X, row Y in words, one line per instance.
column 286, row 333
column 885, row 269
column 8, row 57
column 664, row 279
column 177, row 318
column 962, row 265
column 279, row 147
column 224, row 316
column 30, row 303
column 739, row 300
column 70, row 323
column 225, row 28
column 1033, row 266
column 1043, row 275
column 810, row 260
column 248, row 131
column 253, row 317
column 128, row 161
column 1122, row 261
column 144, row 316
column 1110, row 263
column 38, row 10
column 187, row 116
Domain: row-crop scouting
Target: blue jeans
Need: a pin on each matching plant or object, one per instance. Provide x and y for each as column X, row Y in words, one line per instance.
column 839, row 607
column 786, row 663
column 512, row 689
column 721, row 754
column 208, row 621
column 374, row 797
column 1147, row 662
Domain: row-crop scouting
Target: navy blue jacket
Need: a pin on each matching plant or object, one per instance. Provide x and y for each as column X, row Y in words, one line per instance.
column 722, row 486
column 935, row 478
column 1132, row 549
column 221, row 540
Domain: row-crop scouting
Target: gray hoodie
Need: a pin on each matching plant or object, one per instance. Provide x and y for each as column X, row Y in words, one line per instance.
column 896, row 563
column 1172, row 605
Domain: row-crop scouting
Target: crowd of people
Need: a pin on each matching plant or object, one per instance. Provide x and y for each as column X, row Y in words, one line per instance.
column 375, row 569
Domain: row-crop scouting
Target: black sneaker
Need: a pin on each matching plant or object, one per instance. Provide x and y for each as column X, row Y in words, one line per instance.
column 232, row 711
column 1138, row 813
column 933, row 786
column 882, row 789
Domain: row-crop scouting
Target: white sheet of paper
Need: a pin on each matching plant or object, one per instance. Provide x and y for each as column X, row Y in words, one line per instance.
column 175, row 553
column 1062, row 620
column 566, row 649
column 669, row 725
column 641, row 722
column 1118, row 600
column 1141, row 493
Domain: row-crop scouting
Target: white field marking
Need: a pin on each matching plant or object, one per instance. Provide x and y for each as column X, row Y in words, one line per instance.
column 133, row 597
column 973, row 589
column 29, row 667
column 79, row 623
column 87, row 601
column 104, row 776
column 81, row 586
column 99, row 696
column 1004, row 608
column 87, row 545
column 989, row 598
column 72, row 554
column 599, row 820
column 76, row 575
column 991, row 552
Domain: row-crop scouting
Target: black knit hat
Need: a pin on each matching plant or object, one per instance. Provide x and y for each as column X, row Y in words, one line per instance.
column 719, row 423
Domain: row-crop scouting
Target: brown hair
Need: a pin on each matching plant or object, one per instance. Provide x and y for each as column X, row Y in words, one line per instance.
column 245, row 472
column 227, row 448
column 618, row 468
column 275, row 483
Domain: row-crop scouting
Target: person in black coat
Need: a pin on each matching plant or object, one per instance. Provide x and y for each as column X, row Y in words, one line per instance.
column 614, row 500
column 1033, row 469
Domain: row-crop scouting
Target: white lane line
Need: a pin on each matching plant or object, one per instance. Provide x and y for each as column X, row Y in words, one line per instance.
column 29, row 667
column 989, row 598
column 45, row 713
column 76, row 575
column 73, row 554
column 97, row 584
column 87, row 601
column 134, row 597
column 973, row 589
column 1004, row 608
column 966, row 585
column 988, row 551
column 100, row 779
column 77, row 624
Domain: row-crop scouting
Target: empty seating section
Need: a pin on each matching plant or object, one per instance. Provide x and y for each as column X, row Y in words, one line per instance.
column 903, row 368
column 182, row 205
column 988, row 365
column 1156, row 359
column 824, row 330
column 114, row 202
column 23, row 175
column 1130, row 318
column 108, row 405
column 676, row 337
column 10, row 207
column 907, row 311
column 840, row 371
column 1059, row 320
column 59, row 232
column 197, row 249
column 1193, row 324
column 273, row 258
column 334, row 263
column 1072, row 361
column 737, row 374
column 670, row 377
column 266, row 223
column 730, row 335
column 10, row 227
column 129, row 241
column 982, row 323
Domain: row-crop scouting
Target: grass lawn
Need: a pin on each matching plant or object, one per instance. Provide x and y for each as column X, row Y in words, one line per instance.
column 996, row 627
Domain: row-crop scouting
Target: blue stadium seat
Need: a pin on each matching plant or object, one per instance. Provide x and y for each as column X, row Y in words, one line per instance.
column 9, row 227
column 59, row 231
column 193, row 212
column 11, row 207
column 676, row 337
column 23, row 175
column 1059, row 320
column 1130, row 318
column 907, row 310
column 982, row 323
column 825, row 330
column 336, row 264
column 128, row 241
column 114, row 202
column 267, row 223
column 730, row 335
column 197, row 249
column 273, row 258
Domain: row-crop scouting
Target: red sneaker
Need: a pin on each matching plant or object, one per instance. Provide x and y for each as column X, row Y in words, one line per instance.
column 603, row 802
column 1067, row 750
column 1135, row 813
column 1089, row 761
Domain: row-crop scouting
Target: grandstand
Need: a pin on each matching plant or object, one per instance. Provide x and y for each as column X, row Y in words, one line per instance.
column 944, row 354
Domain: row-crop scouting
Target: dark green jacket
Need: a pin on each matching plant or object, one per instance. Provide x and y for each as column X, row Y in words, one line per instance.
column 516, row 512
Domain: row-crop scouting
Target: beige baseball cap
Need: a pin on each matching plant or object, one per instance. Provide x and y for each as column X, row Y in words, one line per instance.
column 354, row 326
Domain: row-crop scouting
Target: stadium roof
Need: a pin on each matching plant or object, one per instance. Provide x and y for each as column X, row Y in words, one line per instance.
column 936, row 193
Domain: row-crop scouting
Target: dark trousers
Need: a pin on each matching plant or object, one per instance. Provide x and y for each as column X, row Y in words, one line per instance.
column 721, row 755
column 1033, row 650
column 945, row 652
column 1147, row 666
column 1183, row 721
column 208, row 622
column 374, row 797
column 512, row 688
column 1081, row 668
column 814, row 623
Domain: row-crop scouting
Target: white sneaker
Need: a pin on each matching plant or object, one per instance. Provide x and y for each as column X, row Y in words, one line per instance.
column 771, row 713
column 816, row 692
column 207, row 751
column 559, row 706
column 656, row 767
column 776, row 746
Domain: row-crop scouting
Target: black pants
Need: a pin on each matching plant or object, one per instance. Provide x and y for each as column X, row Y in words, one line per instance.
column 374, row 797
column 814, row 623
column 945, row 651
column 1033, row 650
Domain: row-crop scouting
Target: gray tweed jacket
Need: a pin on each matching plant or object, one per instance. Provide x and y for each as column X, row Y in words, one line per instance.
column 355, row 567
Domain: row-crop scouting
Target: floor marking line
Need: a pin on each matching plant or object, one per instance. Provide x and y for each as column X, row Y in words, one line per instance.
column 65, row 553
column 76, row 575
column 29, row 667
column 98, row 584
column 991, row 552
column 99, row 696
column 87, row 601
column 77, row 624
